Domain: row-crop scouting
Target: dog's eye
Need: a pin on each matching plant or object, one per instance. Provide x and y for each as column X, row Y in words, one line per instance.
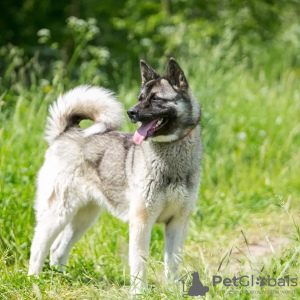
column 155, row 98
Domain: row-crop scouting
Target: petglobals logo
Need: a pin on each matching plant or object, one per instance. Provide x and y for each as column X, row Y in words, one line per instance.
column 192, row 286
column 249, row 281
column 196, row 288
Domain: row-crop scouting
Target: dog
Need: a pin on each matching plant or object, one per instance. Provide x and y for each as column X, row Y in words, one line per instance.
column 150, row 176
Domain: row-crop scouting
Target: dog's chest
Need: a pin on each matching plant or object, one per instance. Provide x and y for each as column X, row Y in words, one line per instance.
column 173, row 175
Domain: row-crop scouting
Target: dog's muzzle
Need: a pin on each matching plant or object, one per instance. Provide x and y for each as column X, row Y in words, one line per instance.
column 133, row 114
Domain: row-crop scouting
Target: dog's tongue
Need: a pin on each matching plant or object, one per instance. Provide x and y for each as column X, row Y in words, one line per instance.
column 142, row 132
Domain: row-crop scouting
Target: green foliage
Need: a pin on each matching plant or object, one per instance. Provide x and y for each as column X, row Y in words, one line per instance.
column 125, row 31
column 242, row 62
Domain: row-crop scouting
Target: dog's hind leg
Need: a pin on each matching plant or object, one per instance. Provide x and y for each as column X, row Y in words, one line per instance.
column 175, row 234
column 79, row 225
column 49, row 225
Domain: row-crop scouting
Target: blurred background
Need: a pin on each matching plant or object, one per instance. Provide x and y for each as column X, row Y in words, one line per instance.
column 108, row 38
column 242, row 61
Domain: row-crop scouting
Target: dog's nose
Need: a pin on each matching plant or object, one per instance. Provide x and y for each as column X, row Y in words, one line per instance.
column 132, row 113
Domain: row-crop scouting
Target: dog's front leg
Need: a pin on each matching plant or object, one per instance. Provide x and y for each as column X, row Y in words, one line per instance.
column 139, row 241
column 175, row 234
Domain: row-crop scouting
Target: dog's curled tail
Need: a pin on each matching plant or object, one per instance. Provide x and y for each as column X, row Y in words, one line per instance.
column 84, row 102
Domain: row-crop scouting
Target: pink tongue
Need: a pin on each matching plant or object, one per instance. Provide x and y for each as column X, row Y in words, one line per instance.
column 142, row 131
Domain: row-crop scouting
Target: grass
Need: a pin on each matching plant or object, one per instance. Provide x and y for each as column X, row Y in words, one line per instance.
column 249, row 194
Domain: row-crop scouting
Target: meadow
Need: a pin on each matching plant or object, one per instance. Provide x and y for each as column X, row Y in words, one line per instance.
column 247, row 217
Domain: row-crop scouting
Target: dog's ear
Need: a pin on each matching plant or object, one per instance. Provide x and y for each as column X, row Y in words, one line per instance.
column 175, row 74
column 147, row 72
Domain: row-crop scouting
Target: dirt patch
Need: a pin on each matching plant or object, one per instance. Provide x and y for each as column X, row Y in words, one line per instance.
column 250, row 256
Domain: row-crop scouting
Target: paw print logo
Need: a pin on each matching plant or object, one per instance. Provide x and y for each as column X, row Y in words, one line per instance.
column 260, row 281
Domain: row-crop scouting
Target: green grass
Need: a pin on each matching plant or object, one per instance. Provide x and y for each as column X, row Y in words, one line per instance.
column 249, row 193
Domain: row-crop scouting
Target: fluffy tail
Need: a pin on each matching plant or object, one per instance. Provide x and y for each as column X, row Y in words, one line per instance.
column 84, row 102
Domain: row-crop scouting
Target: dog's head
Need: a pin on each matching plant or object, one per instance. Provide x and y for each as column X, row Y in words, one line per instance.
column 166, row 110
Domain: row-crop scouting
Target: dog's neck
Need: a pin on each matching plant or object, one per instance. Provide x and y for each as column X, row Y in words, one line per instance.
column 189, row 132
column 174, row 159
column 170, row 150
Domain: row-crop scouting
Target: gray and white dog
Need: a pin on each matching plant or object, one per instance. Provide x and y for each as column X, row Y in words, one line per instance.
column 150, row 176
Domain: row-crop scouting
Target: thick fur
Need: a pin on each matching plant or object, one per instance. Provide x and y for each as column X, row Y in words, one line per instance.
column 84, row 102
column 88, row 171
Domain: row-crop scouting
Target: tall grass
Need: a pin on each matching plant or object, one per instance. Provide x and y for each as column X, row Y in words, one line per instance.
column 250, row 179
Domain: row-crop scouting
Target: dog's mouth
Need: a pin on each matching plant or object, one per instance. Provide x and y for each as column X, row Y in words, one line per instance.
column 149, row 130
